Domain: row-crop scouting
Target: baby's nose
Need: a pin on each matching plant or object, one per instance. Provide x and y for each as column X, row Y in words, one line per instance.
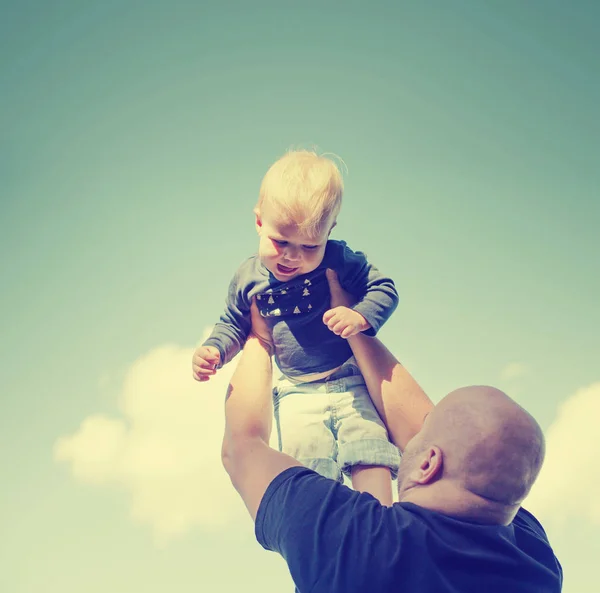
column 292, row 253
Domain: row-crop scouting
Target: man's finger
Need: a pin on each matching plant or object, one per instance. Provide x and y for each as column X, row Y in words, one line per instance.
column 334, row 283
column 254, row 312
column 259, row 326
column 339, row 297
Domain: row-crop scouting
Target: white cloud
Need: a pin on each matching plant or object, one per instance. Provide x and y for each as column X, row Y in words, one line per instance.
column 164, row 450
column 513, row 370
column 568, row 485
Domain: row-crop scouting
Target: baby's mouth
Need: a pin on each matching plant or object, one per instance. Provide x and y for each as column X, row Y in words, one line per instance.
column 285, row 271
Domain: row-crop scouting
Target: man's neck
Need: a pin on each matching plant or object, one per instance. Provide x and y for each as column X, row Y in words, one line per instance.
column 449, row 499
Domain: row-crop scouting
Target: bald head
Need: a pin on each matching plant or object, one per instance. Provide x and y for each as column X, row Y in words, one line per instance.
column 491, row 445
column 487, row 445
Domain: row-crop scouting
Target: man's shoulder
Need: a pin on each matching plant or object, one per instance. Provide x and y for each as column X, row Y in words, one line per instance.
column 531, row 538
column 336, row 539
column 300, row 485
column 523, row 515
column 298, row 493
column 526, row 520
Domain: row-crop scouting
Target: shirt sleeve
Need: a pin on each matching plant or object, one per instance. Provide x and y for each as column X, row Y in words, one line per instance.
column 537, row 544
column 525, row 520
column 325, row 531
column 379, row 297
column 230, row 333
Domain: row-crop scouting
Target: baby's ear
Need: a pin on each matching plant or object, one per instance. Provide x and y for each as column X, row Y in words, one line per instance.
column 332, row 227
column 258, row 220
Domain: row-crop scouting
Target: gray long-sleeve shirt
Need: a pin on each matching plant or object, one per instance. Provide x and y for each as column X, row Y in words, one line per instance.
column 294, row 310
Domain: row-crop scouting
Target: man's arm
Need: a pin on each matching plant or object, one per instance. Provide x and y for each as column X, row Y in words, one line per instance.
column 399, row 399
column 247, row 457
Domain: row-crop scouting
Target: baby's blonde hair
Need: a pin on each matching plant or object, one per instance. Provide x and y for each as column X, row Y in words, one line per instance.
column 305, row 188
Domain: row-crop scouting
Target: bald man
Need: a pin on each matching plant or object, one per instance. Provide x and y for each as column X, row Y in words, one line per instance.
column 458, row 527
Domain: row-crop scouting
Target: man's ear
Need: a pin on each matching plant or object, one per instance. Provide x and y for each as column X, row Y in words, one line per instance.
column 430, row 467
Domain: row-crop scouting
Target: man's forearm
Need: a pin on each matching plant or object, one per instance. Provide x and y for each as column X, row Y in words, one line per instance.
column 248, row 403
column 399, row 399
column 250, row 462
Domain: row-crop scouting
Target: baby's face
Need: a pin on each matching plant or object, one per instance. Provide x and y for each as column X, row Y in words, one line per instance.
column 284, row 250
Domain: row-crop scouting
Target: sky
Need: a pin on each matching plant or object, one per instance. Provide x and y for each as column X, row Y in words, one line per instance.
column 133, row 139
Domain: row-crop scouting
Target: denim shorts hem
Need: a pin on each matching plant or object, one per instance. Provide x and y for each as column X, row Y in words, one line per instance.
column 369, row 452
column 328, row 468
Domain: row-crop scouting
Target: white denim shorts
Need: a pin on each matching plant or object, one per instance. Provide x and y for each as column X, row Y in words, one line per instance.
column 332, row 425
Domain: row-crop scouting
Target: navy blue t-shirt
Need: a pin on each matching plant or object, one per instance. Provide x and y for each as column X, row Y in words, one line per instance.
column 337, row 540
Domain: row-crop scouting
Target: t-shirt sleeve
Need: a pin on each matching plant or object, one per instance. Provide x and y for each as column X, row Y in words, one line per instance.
column 525, row 520
column 324, row 530
column 536, row 542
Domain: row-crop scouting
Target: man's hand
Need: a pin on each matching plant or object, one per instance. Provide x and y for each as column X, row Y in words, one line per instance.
column 204, row 362
column 260, row 329
column 341, row 319
column 399, row 399
column 339, row 297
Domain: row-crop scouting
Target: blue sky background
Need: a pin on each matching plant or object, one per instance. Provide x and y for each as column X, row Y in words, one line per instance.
column 133, row 138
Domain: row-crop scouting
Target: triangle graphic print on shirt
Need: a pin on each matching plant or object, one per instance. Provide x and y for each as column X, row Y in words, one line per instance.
column 294, row 297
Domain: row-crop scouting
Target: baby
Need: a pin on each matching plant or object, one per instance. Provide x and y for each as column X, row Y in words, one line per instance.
column 325, row 418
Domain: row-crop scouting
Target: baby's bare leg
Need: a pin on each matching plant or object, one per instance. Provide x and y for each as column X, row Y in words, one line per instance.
column 375, row 480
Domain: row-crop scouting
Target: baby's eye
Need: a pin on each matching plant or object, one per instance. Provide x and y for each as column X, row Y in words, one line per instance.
column 280, row 243
column 310, row 247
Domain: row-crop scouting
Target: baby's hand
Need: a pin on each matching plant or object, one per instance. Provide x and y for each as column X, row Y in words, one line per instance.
column 204, row 362
column 345, row 322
